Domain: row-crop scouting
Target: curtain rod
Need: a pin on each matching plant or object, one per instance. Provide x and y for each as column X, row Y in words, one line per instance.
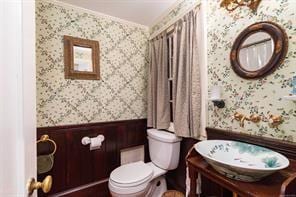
column 167, row 26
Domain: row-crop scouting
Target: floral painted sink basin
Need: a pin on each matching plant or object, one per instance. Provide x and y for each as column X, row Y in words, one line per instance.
column 241, row 161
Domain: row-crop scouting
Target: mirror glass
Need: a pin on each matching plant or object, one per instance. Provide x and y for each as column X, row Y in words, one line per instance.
column 256, row 51
column 82, row 59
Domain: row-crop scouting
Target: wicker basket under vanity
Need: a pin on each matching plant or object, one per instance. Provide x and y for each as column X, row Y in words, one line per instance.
column 173, row 193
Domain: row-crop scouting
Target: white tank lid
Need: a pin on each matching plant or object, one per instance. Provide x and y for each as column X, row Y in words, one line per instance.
column 132, row 174
column 163, row 136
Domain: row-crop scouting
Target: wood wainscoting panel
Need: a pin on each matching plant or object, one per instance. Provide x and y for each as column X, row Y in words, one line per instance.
column 176, row 178
column 76, row 166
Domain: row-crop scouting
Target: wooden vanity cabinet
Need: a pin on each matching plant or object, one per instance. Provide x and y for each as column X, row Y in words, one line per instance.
column 279, row 184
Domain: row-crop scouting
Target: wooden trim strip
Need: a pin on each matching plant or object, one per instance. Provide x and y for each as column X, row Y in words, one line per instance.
column 73, row 126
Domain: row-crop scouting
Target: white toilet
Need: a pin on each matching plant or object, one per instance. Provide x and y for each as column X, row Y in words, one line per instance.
column 140, row 179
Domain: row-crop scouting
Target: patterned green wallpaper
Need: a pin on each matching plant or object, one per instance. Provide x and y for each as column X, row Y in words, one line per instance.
column 121, row 92
column 262, row 96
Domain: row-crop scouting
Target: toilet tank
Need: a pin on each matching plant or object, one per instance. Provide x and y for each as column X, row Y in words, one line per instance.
column 164, row 148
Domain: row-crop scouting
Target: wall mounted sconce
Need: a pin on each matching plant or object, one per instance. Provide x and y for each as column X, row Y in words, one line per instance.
column 218, row 103
column 231, row 5
column 216, row 97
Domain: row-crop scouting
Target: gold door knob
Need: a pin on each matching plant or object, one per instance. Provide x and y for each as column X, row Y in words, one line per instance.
column 45, row 185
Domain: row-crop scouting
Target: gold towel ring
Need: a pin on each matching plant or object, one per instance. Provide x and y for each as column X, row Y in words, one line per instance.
column 45, row 138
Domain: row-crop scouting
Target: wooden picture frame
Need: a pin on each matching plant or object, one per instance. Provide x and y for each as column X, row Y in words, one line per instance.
column 87, row 67
column 280, row 40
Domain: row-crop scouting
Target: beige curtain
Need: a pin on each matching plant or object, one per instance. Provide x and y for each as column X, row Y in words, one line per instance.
column 186, row 78
column 158, row 93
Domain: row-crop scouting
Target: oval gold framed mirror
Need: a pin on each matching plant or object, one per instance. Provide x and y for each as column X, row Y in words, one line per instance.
column 259, row 50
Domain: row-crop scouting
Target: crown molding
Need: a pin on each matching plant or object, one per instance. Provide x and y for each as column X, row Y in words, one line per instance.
column 165, row 13
column 98, row 14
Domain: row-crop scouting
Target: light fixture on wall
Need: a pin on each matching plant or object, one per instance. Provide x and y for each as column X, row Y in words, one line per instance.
column 216, row 98
column 231, row 5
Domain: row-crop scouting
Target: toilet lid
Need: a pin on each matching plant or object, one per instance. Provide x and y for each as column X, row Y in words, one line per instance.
column 132, row 174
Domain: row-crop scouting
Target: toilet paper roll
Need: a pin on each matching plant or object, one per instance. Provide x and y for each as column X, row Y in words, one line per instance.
column 95, row 143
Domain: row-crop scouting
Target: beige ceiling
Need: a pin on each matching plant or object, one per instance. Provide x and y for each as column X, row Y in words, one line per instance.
column 143, row 12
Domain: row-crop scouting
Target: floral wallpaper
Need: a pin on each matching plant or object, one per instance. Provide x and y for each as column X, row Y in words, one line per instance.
column 263, row 96
column 121, row 92
column 174, row 13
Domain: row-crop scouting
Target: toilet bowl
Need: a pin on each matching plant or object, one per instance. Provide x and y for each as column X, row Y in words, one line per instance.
column 140, row 179
column 135, row 179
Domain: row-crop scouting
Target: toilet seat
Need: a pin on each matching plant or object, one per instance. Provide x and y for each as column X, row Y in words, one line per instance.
column 130, row 178
column 131, row 174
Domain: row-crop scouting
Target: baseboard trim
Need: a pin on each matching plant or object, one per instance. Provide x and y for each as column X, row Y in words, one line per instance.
column 82, row 187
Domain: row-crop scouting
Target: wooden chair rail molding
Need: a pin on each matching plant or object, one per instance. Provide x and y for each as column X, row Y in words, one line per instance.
column 282, row 183
column 77, row 171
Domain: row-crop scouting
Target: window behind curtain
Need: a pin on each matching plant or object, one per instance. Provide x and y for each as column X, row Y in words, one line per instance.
column 170, row 77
